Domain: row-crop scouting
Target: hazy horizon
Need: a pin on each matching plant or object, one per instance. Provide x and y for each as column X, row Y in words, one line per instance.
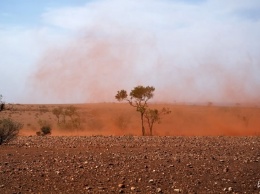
column 86, row 50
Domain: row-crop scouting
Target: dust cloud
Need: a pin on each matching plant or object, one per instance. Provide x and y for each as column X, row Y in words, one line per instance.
column 205, row 63
column 93, row 66
column 91, row 69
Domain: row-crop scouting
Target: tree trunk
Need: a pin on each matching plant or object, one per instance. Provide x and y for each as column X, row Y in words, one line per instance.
column 142, row 119
column 64, row 118
column 151, row 129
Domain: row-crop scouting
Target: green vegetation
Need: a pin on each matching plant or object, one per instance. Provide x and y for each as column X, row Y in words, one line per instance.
column 138, row 98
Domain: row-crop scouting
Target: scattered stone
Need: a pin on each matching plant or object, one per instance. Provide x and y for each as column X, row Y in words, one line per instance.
column 121, row 186
column 88, row 188
column 230, row 189
column 177, row 190
column 226, row 169
column 132, row 188
column 104, row 172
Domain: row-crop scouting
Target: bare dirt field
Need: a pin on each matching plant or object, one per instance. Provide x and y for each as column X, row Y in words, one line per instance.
column 130, row 164
column 197, row 149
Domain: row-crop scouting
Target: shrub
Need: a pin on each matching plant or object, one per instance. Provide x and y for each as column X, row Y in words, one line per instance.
column 9, row 130
column 45, row 128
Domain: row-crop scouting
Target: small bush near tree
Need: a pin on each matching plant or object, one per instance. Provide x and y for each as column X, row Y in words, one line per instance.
column 9, row 130
column 154, row 116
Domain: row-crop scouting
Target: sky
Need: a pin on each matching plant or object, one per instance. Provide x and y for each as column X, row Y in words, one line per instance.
column 84, row 51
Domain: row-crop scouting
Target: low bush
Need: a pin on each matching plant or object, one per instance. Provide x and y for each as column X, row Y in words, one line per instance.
column 9, row 130
column 45, row 128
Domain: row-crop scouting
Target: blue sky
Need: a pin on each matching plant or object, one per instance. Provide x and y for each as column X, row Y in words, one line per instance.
column 28, row 12
column 195, row 51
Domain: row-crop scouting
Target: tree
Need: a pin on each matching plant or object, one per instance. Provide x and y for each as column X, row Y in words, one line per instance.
column 57, row 112
column 153, row 115
column 139, row 97
column 71, row 112
column 8, row 130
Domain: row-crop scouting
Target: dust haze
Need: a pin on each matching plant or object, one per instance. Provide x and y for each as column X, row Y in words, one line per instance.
column 122, row 119
column 92, row 69
column 199, row 65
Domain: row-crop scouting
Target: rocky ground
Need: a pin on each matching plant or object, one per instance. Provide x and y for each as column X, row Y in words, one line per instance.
column 129, row 164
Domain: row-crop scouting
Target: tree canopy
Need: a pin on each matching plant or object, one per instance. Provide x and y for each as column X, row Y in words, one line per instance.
column 137, row 98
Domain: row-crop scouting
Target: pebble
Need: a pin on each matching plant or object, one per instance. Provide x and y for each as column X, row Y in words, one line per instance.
column 230, row 189
column 112, row 171
column 177, row 190
column 121, row 186
column 226, row 169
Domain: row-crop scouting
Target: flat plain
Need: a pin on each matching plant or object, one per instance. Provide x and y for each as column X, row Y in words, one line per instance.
column 195, row 149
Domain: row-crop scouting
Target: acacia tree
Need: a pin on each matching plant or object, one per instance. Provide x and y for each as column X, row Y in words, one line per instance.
column 137, row 98
column 57, row 112
column 153, row 115
column 71, row 112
